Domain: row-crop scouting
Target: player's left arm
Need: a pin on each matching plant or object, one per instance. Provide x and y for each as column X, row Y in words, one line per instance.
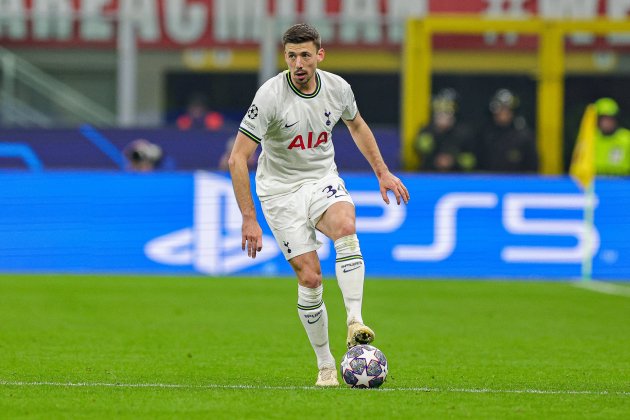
column 366, row 142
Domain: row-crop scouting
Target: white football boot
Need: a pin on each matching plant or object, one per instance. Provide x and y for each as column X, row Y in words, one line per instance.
column 327, row 376
column 359, row 334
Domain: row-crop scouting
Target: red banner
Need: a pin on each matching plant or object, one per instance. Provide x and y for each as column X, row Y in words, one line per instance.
column 234, row 23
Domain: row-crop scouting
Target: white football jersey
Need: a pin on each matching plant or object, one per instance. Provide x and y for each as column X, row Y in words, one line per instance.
column 295, row 130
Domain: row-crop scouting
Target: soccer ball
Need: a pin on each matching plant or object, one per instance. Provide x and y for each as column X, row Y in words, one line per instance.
column 364, row 366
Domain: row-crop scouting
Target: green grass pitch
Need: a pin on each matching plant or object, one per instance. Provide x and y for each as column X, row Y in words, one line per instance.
column 194, row 347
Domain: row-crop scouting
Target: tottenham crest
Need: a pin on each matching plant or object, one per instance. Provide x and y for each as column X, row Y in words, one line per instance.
column 327, row 114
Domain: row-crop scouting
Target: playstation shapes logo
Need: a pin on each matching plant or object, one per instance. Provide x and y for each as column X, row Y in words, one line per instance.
column 252, row 113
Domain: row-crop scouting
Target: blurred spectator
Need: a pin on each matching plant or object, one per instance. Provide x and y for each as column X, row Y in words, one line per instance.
column 199, row 116
column 612, row 143
column 223, row 162
column 506, row 144
column 143, row 156
column 445, row 145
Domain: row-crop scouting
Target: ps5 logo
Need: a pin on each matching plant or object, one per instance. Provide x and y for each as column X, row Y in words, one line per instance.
column 213, row 244
column 514, row 220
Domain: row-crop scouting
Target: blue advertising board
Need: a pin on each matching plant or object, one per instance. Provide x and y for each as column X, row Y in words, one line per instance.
column 454, row 226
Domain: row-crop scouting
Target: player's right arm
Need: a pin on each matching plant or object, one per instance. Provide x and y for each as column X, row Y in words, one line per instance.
column 242, row 151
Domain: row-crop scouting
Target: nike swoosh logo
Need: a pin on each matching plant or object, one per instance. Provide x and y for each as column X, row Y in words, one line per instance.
column 354, row 268
column 312, row 322
column 287, row 126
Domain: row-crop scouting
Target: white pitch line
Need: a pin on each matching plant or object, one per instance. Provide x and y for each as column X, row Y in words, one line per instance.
column 294, row 388
column 603, row 287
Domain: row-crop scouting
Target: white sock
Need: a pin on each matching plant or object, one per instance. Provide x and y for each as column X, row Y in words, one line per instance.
column 312, row 312
column 350, row 272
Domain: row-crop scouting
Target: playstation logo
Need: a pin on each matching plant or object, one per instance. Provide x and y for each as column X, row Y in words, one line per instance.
column 213, row 244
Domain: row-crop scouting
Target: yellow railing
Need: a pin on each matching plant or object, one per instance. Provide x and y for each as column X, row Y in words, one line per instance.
column 418, row 68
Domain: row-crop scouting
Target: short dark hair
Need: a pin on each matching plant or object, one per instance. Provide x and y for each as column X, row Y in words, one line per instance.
column 302, row 32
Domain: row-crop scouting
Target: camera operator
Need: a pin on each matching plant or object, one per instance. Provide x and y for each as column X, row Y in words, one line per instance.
column 143, row 156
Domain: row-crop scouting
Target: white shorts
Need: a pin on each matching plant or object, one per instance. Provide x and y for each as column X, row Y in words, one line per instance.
column 293, row 217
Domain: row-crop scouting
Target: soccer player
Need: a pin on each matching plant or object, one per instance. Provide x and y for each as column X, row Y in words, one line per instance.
column 298, row 186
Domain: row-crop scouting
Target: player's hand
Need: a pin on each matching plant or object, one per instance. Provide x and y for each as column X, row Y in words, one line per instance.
column 390, row 182
column 252, row 237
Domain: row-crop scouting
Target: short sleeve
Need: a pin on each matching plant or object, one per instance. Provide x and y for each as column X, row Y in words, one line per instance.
column 259, row 116
column 349, row 103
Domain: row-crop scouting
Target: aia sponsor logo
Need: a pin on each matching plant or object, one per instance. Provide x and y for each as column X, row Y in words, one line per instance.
column 310, row 142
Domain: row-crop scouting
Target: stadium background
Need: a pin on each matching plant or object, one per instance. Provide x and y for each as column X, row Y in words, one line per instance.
column 76, row 88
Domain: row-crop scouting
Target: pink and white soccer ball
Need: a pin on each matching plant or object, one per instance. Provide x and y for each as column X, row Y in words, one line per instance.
column 364, row 366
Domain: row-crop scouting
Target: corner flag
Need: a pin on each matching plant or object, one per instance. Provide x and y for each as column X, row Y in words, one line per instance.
column 583, row 161
column 583, row 171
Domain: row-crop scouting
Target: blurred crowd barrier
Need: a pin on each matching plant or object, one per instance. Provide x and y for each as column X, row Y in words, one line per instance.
column 88, row 148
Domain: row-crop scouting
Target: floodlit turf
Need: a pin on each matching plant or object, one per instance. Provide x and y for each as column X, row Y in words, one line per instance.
column 164, row 347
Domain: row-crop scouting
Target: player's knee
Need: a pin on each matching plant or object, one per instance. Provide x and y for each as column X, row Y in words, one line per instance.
column 346, row 227
column 310, row 278
column 311, row 281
